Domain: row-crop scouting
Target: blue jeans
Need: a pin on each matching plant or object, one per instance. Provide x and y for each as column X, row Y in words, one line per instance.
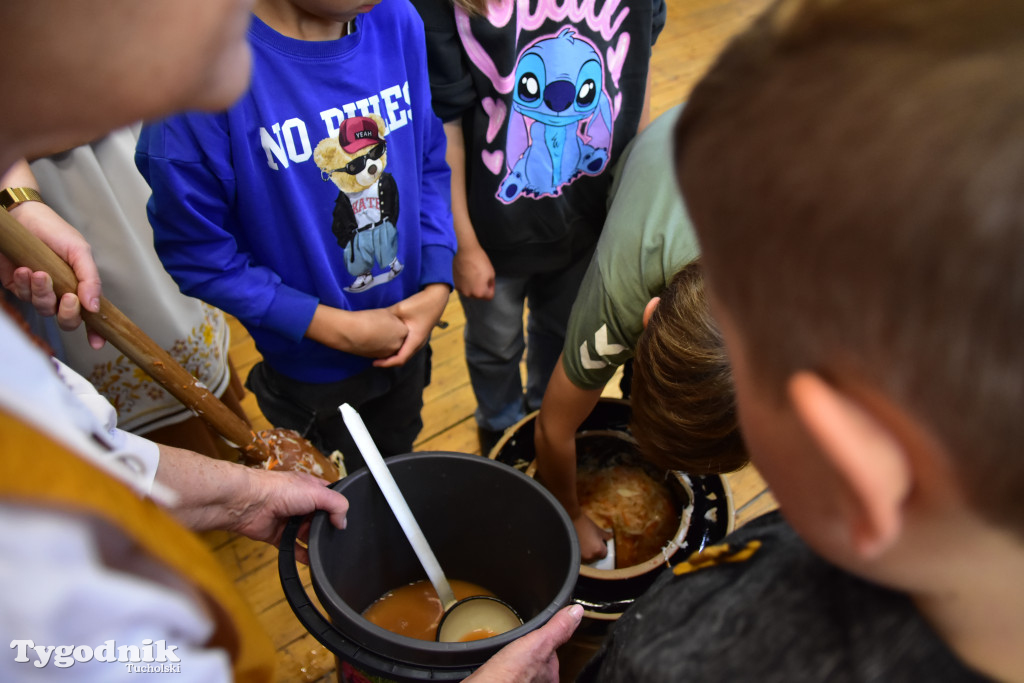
column 495, row 342
column 380, row 244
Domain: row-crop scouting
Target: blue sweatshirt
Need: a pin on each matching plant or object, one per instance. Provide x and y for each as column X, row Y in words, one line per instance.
column 268, row 209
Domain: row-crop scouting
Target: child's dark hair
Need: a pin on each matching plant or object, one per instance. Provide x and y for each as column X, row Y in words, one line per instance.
column 855, row 171
column 683, row 412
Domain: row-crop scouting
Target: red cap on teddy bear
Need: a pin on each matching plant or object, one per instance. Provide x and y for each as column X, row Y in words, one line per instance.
column 357, row 133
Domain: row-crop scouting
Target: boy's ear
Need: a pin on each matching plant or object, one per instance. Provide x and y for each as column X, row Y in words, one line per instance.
column 866, row 455
column 649, row 309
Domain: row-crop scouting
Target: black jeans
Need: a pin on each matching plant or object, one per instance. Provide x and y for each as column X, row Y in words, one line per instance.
column 388, row 399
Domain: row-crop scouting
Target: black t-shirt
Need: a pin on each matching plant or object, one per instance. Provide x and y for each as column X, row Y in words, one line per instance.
column 781, row 615
column 548, row 96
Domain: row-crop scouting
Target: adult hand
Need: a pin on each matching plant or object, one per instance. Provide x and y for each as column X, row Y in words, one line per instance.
column 532, row 658
column 276, row 497
column 216, row 494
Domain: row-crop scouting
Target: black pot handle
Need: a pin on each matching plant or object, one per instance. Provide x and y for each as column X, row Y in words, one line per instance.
column 305, row 611
column 329, row 636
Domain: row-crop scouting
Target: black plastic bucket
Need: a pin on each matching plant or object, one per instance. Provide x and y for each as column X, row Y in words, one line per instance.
column 486, row 523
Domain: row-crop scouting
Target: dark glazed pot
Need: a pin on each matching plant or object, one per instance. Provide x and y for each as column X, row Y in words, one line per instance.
column 704, row 504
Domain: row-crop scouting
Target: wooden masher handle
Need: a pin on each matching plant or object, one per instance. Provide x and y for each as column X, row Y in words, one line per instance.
column 25, row 249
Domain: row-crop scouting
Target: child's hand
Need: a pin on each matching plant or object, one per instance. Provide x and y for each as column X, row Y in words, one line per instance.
column 420, row 312
column 592, row 539
column 473, row 272
column 373, row 333
column 36, row 287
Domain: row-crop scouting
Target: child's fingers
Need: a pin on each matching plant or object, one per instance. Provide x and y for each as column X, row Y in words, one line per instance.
column 41, row 292
column 69, row 312
column 409, row 347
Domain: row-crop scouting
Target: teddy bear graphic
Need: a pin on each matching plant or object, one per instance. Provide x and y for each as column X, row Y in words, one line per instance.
column 366, row 210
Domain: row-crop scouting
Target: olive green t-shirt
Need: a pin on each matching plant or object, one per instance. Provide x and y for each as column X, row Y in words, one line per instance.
column 647, row 238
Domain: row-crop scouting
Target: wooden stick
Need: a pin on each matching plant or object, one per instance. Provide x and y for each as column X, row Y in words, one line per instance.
column 25, row 249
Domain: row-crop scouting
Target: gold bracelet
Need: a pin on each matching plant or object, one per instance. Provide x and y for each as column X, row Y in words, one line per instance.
column 10, row 197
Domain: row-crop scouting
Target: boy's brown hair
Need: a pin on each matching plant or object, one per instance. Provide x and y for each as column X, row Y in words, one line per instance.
column 855, row 169
column 683, row 409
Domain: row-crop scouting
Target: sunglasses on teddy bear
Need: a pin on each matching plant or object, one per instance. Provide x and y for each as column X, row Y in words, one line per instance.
column 356, row 165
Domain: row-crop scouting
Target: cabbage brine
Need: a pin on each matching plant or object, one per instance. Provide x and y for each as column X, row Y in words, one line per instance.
column 415, row 610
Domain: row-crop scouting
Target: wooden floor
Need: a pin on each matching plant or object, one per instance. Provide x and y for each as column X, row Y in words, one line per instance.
column 695, row 31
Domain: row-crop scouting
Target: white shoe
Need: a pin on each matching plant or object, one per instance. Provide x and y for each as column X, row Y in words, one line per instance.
column 362, row 282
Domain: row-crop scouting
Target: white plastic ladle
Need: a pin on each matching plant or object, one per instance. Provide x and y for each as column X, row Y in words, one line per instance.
column 499, row 617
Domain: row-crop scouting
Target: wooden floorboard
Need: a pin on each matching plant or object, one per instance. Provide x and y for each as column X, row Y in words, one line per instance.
column 695, row 32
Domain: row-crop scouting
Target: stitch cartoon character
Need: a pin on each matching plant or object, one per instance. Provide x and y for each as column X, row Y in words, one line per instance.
column 366, row 210
column 559, row 88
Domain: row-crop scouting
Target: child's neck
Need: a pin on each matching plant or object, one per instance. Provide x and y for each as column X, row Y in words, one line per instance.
column 289, row 20
column 982, row 617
